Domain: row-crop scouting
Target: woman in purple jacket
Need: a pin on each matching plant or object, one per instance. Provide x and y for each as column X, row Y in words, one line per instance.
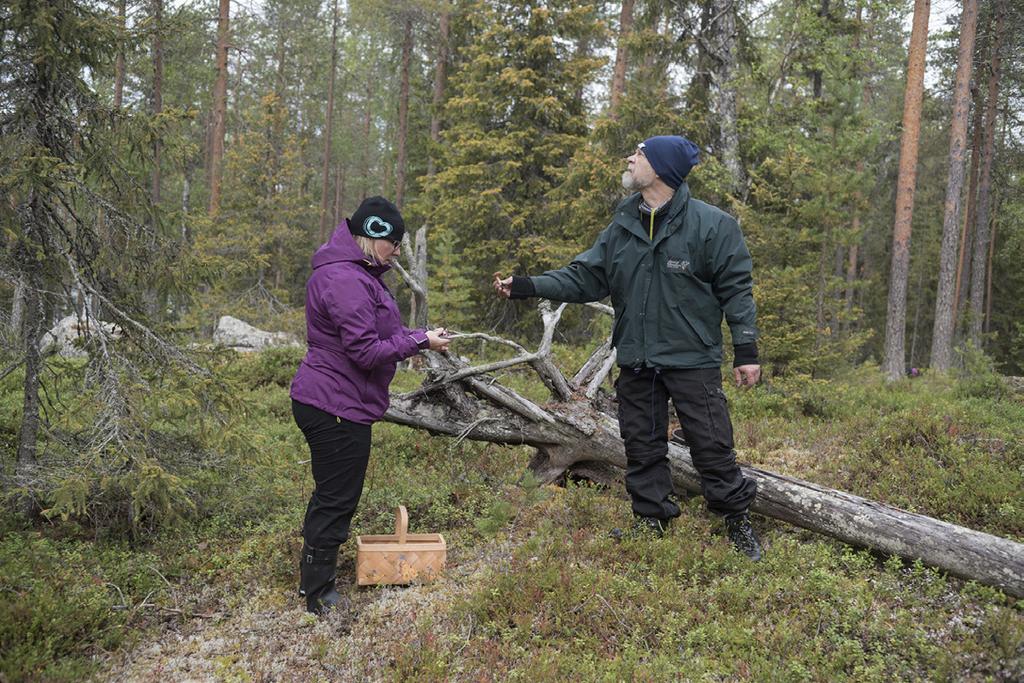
column 355, row 338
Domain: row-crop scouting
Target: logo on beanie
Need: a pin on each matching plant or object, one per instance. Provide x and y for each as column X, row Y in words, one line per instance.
column 369, row 227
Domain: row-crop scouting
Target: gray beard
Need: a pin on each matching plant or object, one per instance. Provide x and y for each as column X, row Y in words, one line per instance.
column 629, row 182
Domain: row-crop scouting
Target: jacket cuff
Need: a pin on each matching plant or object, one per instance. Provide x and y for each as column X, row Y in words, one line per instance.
column 421, row 339
column 745, row 354
column 522, row 288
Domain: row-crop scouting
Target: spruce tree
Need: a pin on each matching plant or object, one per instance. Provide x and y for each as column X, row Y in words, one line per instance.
column 515, row 116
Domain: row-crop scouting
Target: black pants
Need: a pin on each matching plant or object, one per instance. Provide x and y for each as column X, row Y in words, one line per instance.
column 703, row 412
column 339, row 451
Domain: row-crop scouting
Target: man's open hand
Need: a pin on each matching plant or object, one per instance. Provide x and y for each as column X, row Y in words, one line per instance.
column 746, row 375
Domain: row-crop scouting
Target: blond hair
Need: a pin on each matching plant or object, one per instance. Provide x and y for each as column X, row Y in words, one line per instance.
column 366, row 244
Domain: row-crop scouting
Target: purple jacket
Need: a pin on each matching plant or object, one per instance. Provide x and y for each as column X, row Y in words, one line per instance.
column 354, row 333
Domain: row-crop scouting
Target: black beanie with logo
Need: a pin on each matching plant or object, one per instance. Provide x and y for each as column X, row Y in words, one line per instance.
column 379, row 219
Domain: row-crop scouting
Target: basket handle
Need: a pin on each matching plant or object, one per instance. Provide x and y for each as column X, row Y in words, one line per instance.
column 401, row 523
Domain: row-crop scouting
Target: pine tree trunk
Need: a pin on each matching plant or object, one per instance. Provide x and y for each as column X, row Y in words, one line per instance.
column 855, row 223
column 988, row 276
column 851, row 271
column 403, row 114
column 367, row 118
column 339, row 194
column 895, row 324
column 981, row 227
column 220, row 100
column 942, row 330
column 440, row 78
column 618, row 86
column 329, row 126
column 963, row 268
column 119, row 60
column 158, row 96
column 186, row 203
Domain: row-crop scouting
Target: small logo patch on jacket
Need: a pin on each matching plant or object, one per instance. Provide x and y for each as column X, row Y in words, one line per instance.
column 677, row 265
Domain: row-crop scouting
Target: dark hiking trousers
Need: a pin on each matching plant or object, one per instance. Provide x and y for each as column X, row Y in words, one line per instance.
column 703, row 412
column 339, row 452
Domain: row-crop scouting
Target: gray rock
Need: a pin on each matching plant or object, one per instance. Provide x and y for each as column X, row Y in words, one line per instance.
column 241, row 336
column 66, row 336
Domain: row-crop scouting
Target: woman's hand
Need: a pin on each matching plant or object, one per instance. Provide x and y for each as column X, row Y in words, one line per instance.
column 438, row 339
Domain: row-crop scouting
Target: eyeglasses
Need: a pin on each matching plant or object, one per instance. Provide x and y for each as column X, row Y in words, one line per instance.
column 640, row 149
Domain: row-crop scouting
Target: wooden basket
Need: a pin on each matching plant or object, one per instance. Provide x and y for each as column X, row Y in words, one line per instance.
column 399, row 558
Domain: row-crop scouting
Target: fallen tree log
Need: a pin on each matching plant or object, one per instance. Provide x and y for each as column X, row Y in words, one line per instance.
column 576, row 434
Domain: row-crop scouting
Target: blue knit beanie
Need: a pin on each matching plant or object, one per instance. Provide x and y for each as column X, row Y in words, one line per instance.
column 671, row 157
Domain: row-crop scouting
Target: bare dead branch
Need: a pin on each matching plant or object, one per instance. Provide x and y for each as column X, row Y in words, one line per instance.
column 593, row 364
column 601, row 374
column 409, row 280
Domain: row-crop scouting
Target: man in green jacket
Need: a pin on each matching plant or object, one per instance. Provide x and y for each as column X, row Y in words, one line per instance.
column 673, row 266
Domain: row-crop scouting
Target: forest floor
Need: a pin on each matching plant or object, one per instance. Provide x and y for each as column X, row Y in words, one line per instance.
column 535, row 588
column 270, row 637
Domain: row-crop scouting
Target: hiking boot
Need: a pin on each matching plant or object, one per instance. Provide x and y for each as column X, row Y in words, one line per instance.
column 650, row 525
column 642, row 526
column 742, row 535
column 318, row 572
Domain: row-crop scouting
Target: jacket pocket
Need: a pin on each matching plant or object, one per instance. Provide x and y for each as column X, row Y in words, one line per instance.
column 697, row 326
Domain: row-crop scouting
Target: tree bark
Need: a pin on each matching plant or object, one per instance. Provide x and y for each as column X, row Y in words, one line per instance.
column 578, row 435
column 339, row 193
column 158, row 95
column 329, row 126
column 33, row 217
column 816, row 75
column 220, row 99
column 942, row 330
column 851, row 271
column 17, row 307
column 895, row 323
column 988, row 276
column 618, row 86
column 367, row 119
column 403, row 113
column 418, row 268
column 722, row 55
column 981, row 228
column 963, row 268
column 119, row 60
column 440, row 78
column 855, row 223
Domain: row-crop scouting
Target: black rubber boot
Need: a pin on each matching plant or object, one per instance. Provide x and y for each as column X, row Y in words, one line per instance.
column 318, row 569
